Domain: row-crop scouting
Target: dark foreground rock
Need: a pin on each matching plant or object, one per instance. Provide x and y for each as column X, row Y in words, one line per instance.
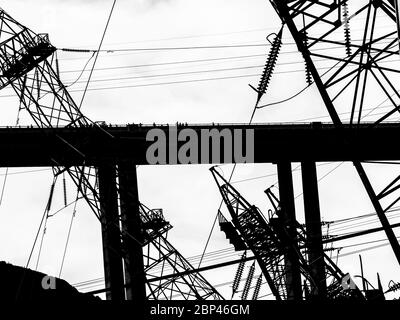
column 21, row 284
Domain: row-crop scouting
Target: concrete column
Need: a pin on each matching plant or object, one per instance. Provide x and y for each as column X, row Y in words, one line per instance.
column 132, row 233
column 113, row 269
column 288, row 220
column 313, row 228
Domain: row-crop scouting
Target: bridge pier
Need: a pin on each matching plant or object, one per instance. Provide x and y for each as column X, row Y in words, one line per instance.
column 313, row 227
column 288, row 219
column 113, row 269
column 132, row 233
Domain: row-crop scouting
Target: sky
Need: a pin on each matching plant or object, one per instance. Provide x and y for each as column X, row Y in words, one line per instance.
column 145, row 88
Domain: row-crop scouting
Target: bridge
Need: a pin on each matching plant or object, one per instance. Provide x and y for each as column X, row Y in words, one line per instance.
column 95, row 145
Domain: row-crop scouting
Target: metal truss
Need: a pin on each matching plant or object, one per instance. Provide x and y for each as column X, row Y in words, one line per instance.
column 26, row 64
column 257, row 235
column 350, row 73
column 270, row 243
column 161, row 257
column 29, row 66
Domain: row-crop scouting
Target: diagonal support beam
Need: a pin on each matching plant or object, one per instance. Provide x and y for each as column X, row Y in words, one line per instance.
column 283, row 11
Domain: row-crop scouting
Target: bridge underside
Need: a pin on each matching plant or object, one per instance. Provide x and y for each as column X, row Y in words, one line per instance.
column 90, row 146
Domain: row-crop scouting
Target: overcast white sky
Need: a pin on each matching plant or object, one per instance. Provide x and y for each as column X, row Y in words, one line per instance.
column 187, row 194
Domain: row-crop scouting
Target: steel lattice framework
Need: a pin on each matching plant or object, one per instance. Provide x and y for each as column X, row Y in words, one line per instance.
column 160, row 256
column 28, row 64
column 349, row 72
column 271, row 243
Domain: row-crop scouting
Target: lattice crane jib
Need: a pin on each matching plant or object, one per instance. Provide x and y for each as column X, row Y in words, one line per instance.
column 351, row 51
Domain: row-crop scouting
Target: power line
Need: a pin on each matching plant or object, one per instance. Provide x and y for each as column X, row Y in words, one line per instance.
column 99, row 281
column 365, row 249
column 175, row 74
column 4, row 186
column 202, row 71
column 198, row 80
column 171, row 63
column 24, row 172
column 178, row 82
column 45, row 214
column 274, row 174
column 69, row 234
column 150, row 84
column 83, row 70
column 166, row 48
column 345, row 220
column 360, row 224
column 224, row 46
column 225, row 253
column 380, row 26
column 210, row 59
column 97, row 55
column 165, row 83
column 46, row 219
column 190, row 36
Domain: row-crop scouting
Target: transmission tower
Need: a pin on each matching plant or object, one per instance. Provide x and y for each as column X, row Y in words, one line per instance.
column 28, row 64
column 348, row 71
column 279, row 254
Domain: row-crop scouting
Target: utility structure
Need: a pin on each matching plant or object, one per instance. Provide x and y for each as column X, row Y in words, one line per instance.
column 292, row 267
column 29, row 65
column 132, row 233
column 352, row 70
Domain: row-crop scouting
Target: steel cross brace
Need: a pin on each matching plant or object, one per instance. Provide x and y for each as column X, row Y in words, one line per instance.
column 283, row 10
